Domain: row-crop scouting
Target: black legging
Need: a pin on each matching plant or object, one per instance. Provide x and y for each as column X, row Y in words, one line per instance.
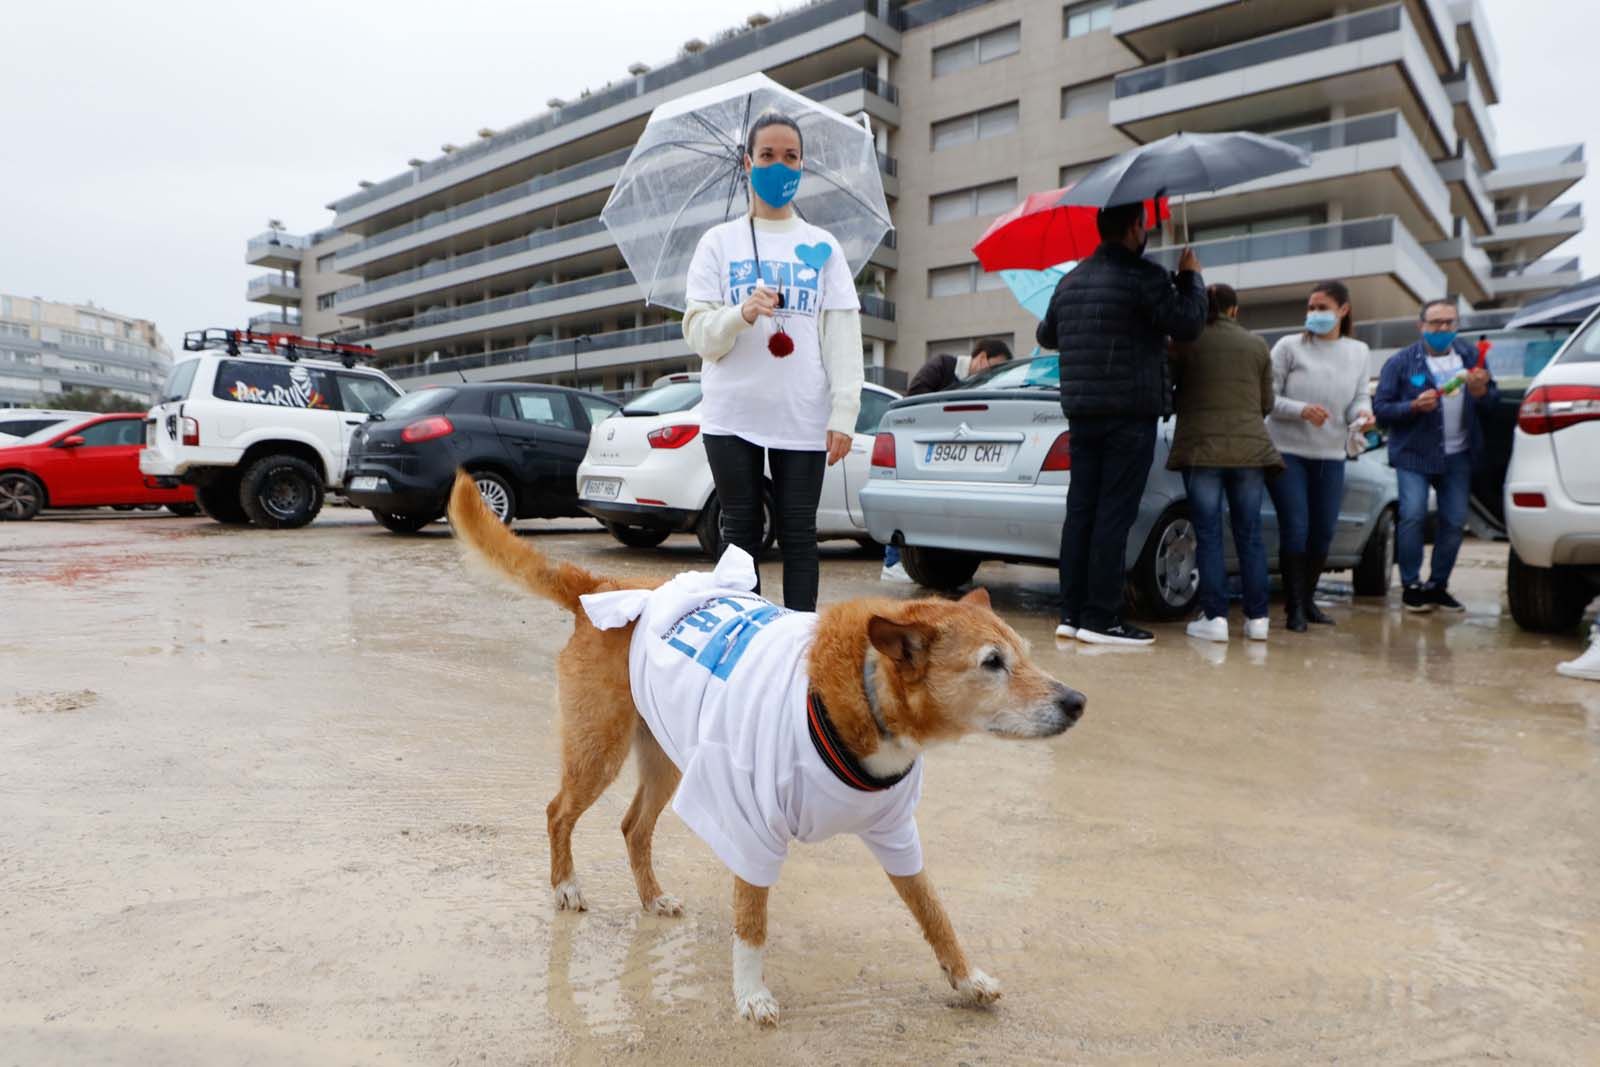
column 736, row 467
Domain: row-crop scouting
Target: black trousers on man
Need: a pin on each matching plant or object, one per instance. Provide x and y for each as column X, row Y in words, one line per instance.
column 1110, row 463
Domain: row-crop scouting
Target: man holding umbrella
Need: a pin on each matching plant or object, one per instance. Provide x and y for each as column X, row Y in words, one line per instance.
column 1110, row 319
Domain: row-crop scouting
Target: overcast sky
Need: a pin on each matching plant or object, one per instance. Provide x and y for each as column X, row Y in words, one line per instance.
column 146, row 142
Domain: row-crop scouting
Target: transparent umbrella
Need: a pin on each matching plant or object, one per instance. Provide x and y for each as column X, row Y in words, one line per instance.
column 686, row 174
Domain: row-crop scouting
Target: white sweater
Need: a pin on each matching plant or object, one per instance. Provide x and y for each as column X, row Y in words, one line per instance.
column 1306, row 370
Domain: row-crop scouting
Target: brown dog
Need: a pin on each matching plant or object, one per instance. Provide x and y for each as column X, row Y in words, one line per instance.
column 884, row 679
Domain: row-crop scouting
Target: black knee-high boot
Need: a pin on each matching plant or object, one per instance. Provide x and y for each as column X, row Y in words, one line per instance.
column 1314, row 565
column 1294, row 591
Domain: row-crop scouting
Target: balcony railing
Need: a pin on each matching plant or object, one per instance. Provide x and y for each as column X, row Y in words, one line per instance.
column 1342, row 133
column 877, row 307
column 272, row 321
column 923, row 12
column 262, row 284
column 1540, row 158
column 537, row 239
column 1282, row 244
column 538, row 295
column 294, row 242
column 782, row 28
column 847, row 83
column 596, row 342
column 1296, row 42
column 493, row 200
column 1538, row 268
column 1551, row 213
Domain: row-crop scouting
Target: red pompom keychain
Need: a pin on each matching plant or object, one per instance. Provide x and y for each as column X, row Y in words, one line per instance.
column 780, row 344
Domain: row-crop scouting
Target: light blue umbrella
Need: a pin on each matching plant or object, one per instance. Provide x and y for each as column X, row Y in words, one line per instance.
column 1033, row 288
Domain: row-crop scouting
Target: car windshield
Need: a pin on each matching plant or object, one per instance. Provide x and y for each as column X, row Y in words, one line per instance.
column 1585, row 348
column 421, row 402
column 1043, row 372
column 664, row 398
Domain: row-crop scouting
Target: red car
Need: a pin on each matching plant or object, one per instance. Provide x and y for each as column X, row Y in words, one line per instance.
column 91, row 463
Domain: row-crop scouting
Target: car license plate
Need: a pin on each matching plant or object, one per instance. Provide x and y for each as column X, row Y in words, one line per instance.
column 367, row 484
column 966, row 455
column 602, row 488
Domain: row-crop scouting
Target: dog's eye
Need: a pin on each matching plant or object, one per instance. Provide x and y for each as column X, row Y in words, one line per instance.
column 994, row 661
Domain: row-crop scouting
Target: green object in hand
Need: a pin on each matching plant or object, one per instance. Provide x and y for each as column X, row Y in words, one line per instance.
column 1452, row 385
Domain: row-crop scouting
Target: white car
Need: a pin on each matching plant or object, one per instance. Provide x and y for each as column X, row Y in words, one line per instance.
column 1552, row 494
column 17, row 423
column 260, row 429
column 646, row 477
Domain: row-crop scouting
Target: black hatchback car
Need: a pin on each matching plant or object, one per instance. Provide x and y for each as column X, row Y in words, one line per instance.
column 522, row 443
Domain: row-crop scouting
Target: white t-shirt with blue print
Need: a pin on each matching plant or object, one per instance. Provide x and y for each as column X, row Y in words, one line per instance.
column 750, row 393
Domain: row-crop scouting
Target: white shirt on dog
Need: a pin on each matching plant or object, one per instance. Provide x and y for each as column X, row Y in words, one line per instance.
column 719, row 675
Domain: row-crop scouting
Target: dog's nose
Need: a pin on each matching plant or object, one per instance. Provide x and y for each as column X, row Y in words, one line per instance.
column 1071, row 703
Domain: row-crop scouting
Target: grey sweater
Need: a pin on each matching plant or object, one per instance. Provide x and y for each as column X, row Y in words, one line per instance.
column 1305, row 371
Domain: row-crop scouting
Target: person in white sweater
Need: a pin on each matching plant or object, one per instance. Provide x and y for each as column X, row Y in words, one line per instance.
column 1321, row 408
column 772, row 312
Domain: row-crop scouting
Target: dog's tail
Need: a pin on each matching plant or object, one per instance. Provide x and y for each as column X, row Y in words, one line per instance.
column 477, row 527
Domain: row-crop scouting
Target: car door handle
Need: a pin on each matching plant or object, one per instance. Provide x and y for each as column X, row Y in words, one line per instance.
column 354, row 422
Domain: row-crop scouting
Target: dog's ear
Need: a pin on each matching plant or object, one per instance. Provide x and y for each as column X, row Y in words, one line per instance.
column 905, row 643
column 978, row 596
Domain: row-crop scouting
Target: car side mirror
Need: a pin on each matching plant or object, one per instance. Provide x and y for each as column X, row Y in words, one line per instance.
column 73, row 441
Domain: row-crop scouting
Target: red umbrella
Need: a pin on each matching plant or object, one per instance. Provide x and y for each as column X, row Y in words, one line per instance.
column 1040, row 232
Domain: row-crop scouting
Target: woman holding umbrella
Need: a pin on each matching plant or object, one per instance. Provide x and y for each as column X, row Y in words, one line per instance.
column 771, row 308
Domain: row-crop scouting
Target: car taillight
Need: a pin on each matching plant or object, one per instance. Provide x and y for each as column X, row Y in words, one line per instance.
column 1059, row 458
column 672, row 436
column 427, row 429
column 191, row 430
column 883, row 451
column 1548, row 408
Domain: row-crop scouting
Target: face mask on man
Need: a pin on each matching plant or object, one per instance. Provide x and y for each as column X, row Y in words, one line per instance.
column 775, row 183
column 1321, row 322
column 1439, row 340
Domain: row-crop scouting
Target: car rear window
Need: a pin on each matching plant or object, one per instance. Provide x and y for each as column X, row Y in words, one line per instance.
column 1585, row 348
column 421, row 402
column 664, row 399
column 25, row 427
column 1041, row 373
column 282, row 385
column 179, row 381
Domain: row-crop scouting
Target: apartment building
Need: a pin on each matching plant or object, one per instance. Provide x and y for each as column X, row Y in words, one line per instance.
column 48, row 348
column 490, row 261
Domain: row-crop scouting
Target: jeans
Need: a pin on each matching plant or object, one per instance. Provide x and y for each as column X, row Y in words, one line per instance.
column 1243, row 485
column 1453, row 487
column 736, row 468
column 1306, row 497
column 1110, row 463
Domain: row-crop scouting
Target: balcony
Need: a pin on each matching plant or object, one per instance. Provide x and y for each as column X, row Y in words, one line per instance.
column 1473, row 121
column 275, row 248
column 1370, row 61
column 1476, row 45
column 1371, row 164
column 276, row 322
column 1535, row 233
column 802, row 32
column 536, row 304
column 1523, row 281
column 1157, row 29
column 1386, row 269
column 1538, row 176
column 593, row 352
column 273, row 289
column 1467, row 268
column 859, row 90
column 1469, row 199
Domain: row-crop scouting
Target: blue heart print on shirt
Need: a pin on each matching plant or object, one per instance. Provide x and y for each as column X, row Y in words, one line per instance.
column 1419, row 380
column 814, row 256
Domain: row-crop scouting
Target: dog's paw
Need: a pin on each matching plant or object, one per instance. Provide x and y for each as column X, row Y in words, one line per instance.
column 568, row 898
column 978, row 988
column 665, row 904
column 760, row 1007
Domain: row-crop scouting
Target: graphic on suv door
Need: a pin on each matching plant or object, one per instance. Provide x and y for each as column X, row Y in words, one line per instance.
column 291, row 386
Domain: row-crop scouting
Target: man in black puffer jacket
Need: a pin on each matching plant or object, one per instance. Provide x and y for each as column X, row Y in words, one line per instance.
column 1110, row 319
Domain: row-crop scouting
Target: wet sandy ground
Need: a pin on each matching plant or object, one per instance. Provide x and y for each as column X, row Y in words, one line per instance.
column 278, row 799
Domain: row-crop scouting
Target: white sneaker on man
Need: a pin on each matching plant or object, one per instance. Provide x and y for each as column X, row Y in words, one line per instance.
column 1587, row 665
column 896, row 573
column 1256, row 629
column 1209, row 629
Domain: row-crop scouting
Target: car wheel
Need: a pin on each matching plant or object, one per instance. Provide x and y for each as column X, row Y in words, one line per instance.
column 1375, row 571
column 184, row 511
column 1166, row 580
column 121, row 507
column 281, row 492
column 220, row 500
column 708, row 528
column 939, row 568
column 498, row 494
column 637, row 536
column 21, row 497
column 1544, row 600
column 405, row 524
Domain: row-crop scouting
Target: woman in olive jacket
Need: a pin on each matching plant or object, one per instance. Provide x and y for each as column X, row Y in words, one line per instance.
column 1224, row 392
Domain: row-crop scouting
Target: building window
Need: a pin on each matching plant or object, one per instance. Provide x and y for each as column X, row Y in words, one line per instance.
column 990, row 199
column 1090, row 98
column 1082, row 19
column 978, row 126
column 325, row 301
column 1072, row 173
column 956, row 281
column 325, row 263
column 984, row 48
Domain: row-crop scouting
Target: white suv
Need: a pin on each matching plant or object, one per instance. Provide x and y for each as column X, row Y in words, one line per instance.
column 258, row 425
column 1552, row 494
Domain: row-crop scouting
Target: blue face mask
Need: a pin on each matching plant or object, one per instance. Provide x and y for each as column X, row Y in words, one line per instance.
column 1439, row 340
column 1321, row 322
column 775, row 183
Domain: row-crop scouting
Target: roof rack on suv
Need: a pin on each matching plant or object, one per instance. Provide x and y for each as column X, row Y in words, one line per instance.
column 288, row 345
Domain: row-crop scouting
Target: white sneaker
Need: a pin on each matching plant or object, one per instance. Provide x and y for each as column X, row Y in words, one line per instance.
column 1587, row 665
column 897, row 573
column 1067, row 630
column 1256, row 629
column 1207, row 629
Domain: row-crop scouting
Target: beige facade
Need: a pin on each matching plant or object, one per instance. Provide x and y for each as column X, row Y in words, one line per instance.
column 49, row 347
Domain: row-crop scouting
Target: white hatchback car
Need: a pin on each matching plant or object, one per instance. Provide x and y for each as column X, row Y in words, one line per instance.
column 1552, row 494
column 646, row 477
